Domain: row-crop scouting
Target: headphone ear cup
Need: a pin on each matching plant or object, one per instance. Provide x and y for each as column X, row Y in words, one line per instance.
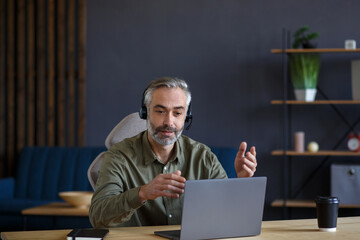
column 188, row 118
column 188, row 114
column 143, row 112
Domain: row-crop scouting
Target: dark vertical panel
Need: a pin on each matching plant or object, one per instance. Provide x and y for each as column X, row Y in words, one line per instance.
column 40, row 74
column 42, row 46
column 10, row 86
column 20, row 76
column 2, row 90
column 71, row 76
column 61, row 81
column 30, row 73
column 82, row 71
column 51, row 74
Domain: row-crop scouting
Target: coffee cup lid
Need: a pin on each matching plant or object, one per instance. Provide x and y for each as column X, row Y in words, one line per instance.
column 326, row 199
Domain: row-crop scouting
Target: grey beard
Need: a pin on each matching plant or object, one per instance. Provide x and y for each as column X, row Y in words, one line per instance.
column 166, row 140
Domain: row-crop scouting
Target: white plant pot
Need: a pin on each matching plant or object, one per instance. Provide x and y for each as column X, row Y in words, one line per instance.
column 307, row 95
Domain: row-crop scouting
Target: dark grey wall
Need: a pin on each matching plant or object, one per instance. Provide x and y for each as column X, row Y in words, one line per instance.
column 222, row 49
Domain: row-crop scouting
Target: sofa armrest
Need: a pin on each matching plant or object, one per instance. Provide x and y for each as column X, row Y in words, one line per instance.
column 7, row 186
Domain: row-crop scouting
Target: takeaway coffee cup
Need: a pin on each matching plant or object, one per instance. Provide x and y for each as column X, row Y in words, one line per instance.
column 327, row 212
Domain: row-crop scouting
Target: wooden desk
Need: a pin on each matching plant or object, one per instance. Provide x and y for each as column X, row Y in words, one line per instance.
column 348, row 228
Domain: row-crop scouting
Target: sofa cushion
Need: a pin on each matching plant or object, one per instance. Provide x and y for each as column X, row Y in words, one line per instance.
column 43, row 172
column 7, row 186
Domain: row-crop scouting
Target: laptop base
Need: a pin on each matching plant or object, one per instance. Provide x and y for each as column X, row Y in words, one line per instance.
column 172, row 234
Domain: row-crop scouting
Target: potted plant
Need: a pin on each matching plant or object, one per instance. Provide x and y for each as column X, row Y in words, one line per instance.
column 304, row 67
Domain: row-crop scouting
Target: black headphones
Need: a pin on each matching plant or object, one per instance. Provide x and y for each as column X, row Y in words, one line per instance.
column 143, row 111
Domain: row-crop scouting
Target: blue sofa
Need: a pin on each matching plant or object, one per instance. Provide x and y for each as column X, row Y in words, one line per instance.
column 43, row 172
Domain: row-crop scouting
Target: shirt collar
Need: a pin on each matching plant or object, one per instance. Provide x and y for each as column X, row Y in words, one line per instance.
column 149, row 155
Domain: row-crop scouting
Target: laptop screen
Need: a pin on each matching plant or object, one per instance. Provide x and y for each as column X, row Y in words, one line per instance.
column 220, row 208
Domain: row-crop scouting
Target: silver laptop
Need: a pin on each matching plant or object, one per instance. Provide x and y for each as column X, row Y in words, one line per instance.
column 221, row 208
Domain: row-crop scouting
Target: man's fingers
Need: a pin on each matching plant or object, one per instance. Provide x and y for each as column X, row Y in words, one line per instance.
column 242, row 149
column 251, row 165
column 168, row 187
column 174, row 184
column 169, row 194
column 253, row 151
column 251, row 157
column 249, row 171
column 174, row 176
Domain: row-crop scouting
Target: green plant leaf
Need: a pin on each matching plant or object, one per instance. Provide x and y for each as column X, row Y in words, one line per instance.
column 300, row 31
column 297, row 43
column 304, row 70
column 312, row 36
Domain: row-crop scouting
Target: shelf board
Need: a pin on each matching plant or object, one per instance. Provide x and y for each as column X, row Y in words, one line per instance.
column 316, row 102
column 305, row 204
column 316, row 50
column 319, row 153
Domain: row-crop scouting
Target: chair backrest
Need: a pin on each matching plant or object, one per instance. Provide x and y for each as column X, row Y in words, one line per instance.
column 130, row 126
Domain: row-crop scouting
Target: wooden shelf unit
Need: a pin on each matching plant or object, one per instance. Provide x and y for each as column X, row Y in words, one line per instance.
column 317, row 102
column 319, row 153
column 305, row 204
column 316, row 50
column 289, row 201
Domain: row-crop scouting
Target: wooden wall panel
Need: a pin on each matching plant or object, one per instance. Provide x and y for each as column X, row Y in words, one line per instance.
column 82, row 71
column 30, row 69
column 20, row 77
column 42, row 76
column 61, row 84
column 51, row 135
column 71, row 73
column 2, row 90
column 10, row 91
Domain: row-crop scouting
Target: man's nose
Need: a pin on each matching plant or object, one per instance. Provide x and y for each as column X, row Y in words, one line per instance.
column 169, row 119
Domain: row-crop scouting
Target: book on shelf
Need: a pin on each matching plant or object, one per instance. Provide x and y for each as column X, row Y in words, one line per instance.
column 87, row 234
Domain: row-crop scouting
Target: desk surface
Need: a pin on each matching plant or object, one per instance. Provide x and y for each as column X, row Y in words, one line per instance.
column 56, row 209
column 348, row 228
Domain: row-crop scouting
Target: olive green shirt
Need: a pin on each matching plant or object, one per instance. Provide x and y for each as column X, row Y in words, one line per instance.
column 130, row 164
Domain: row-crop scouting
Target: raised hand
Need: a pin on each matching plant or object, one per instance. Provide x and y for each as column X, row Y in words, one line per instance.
column 245, row 162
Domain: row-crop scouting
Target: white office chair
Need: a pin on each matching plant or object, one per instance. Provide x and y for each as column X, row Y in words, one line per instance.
column 130, row 126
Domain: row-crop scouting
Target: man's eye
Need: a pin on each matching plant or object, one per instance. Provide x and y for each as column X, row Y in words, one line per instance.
column 159, row 111
column 178, row 113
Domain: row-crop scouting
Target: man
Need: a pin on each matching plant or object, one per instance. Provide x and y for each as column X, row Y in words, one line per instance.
column 142, row 178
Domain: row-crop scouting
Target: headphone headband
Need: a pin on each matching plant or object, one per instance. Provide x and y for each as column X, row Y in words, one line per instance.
column 143, row 110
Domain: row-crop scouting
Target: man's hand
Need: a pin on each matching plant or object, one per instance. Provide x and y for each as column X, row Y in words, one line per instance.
column 245, row 162
column 163, row 185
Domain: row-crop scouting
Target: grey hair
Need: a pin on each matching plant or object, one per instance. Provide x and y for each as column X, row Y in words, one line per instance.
column 169, row 82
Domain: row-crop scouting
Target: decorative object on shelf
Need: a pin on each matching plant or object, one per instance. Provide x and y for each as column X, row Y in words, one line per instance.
column 313, row 146
column 355, row 79
column 353, row 142
column 79, row 199
column 350, row 44
column 304, row 67
column 299, row 141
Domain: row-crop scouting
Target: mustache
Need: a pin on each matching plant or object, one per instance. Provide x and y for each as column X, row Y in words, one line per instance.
column 166, row 128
